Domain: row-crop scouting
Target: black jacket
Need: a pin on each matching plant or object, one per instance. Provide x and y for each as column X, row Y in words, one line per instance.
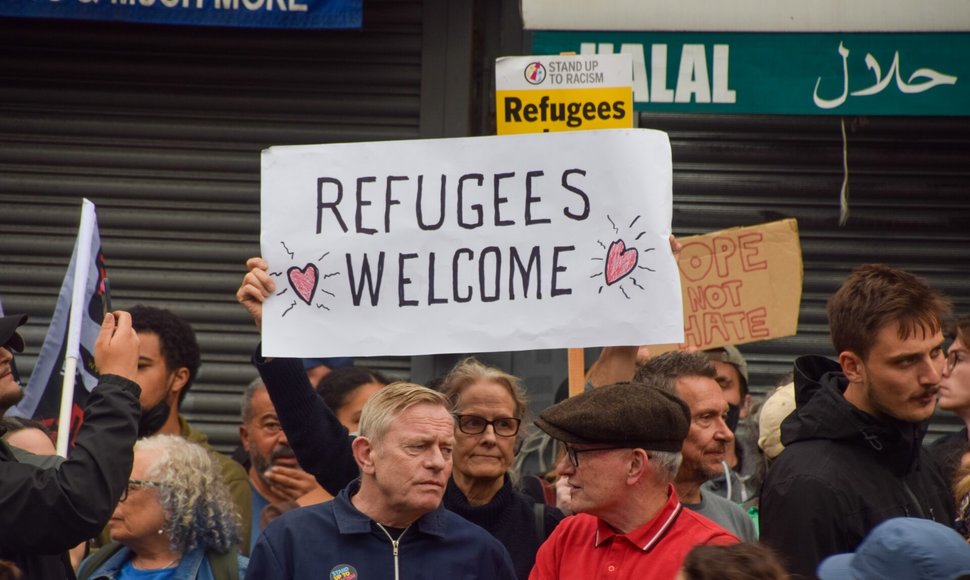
column 843, row 472
column 46, row 511
column 510, row 517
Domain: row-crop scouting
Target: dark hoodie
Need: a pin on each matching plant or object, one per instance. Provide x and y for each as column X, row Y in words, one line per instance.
column 843, row 472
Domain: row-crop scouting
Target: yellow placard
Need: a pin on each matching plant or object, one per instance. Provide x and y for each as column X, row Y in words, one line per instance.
column 532, row 111
column 541, row 94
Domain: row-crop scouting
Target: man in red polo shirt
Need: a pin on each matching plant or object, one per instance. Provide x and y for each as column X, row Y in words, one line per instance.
column 623, row 446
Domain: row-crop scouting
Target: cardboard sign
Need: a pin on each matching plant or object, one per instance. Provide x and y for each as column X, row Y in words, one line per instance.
column 535, row 94
column 463, row 245
column 740, row 285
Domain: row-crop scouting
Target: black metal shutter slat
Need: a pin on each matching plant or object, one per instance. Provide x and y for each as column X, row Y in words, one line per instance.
column 162, row 126
column 909, row 198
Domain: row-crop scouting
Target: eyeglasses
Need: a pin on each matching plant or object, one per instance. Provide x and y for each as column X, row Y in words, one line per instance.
column 573, row 453
column 955, row 357
column 475, row 425
column 137, row 483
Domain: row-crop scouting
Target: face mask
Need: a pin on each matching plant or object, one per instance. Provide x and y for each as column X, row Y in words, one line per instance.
column 733, row 416
column 153, row 419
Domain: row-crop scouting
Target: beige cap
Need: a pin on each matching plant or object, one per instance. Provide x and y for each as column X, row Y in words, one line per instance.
column 779, row 405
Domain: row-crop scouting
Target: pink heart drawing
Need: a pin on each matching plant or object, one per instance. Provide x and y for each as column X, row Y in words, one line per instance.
column 304, row 281
column 620, row 261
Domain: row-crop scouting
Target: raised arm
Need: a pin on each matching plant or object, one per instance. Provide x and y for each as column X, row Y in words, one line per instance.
column 72, row 502
column 321, row 443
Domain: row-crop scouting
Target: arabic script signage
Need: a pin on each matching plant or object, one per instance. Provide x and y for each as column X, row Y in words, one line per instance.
column 238, row 13
column 800, row 74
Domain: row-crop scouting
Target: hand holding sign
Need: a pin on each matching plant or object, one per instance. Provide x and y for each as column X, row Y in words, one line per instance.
column 256, row 287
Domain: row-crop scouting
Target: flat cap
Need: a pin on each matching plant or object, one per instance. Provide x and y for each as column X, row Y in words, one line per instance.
column 624, row 414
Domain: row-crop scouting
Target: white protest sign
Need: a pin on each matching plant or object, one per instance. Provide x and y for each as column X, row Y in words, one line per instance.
column 475, row 244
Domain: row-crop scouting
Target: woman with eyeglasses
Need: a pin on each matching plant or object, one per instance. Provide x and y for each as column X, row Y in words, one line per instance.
column 953, row 451
column 490, row 406
column 175, row 519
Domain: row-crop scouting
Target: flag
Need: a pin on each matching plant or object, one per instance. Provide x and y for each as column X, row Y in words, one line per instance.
column 42, row 397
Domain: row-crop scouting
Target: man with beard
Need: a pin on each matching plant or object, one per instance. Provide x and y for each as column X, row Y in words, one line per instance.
column 168, row 362
column 853, row 453
column 275, row 477
column 691, row 377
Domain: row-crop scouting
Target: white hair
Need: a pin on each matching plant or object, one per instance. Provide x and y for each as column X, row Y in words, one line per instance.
column 199, row 512
column 667, row 462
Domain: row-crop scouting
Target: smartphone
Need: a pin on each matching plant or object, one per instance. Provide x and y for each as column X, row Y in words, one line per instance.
column 106, row 299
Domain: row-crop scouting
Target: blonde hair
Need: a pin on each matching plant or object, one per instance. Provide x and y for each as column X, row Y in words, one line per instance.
column 391, row 401
column 198, row 510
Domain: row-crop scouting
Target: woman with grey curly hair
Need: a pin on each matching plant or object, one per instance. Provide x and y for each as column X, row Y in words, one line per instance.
column 175, row 519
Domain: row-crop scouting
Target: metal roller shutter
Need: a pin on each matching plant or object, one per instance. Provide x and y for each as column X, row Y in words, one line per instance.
column 909, row 197
column 161, row 126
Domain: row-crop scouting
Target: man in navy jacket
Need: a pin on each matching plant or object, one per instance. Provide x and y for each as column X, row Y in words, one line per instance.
column 390, row 522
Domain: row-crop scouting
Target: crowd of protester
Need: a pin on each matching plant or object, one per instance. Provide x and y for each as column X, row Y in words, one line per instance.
column 665, row 466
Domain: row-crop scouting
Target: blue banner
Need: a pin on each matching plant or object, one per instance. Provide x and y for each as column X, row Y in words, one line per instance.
column 239, row 13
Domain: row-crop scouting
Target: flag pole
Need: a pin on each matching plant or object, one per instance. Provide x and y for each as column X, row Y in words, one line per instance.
column 72, row 353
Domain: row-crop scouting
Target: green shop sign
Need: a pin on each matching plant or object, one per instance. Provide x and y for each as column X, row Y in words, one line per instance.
column 798, row 74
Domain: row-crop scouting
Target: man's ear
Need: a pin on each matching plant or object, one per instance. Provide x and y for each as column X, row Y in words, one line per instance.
column 637, row 469
column 853, row 366
column 244, row 437
column 364, row 454
column 179, row 380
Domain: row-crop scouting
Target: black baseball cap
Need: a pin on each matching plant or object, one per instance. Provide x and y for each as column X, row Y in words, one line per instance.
column 9, row 338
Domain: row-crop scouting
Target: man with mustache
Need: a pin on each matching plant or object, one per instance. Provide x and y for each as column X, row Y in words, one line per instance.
column 853, row 454
column 275, row 477
column 691, row 377
column 389, row 523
